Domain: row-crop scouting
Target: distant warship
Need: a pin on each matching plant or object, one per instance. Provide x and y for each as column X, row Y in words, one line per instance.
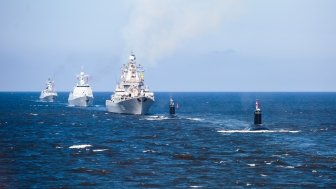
column 82, row 92
column 48, row 94
column 131, row 96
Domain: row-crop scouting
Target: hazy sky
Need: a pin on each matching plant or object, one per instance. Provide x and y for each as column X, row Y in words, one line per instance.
column 208, row 45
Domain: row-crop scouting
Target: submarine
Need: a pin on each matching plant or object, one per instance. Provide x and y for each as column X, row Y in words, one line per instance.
column 171, row 107
column 257, row 119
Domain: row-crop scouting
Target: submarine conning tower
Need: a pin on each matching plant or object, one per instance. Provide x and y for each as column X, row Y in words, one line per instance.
column 257, row 114
column 171, row 106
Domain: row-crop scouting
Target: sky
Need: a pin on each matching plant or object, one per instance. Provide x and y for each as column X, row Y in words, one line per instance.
column 184, row 45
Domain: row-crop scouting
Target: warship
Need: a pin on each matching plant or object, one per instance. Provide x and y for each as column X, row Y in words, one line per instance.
column 131, row 96
column 49, row 94
column 82, row 93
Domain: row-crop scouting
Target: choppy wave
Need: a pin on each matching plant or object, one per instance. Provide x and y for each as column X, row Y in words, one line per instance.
column 80, row 146
column 258, row 131
column 252, row 164
column 99, row 150
column 97, row 108
column 228, row 123
column 148, row 151
column 163, row 117
column 194, row 119
column 155, row 118
column 196, row 148
column 286, row 167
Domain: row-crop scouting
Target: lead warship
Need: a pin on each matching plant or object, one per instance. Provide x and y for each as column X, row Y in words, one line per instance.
column 48, row 94
column 82, row 93
column 131, row 96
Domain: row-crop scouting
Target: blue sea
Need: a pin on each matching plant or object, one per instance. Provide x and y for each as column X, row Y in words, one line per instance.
column 208, row 144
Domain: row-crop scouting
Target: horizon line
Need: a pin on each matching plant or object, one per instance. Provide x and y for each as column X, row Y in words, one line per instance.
column 99, row 91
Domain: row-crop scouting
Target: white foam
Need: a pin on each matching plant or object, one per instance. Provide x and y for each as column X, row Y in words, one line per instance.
column 196, row 186
column 33, row 114
column 263, row 175
column 287, row 167
column 194, row 119
column 146, row 151
column 156, row 118
column 80, row 146
column 252, row 165
column 257, row 131
column 99, row 150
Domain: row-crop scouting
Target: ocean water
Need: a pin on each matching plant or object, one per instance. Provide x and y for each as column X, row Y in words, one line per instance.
column 207, row 144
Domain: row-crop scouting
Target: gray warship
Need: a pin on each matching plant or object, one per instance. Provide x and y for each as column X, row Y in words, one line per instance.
column 82, row 93
column 48, row 94
column 131, row 96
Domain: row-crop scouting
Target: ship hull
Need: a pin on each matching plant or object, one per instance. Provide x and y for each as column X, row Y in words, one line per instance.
column 136, row 106
column 48, row 98
column 80, row 101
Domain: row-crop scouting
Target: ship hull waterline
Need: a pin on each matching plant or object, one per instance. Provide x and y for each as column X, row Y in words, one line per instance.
column 49, row 98
column 81, row 101
column 136, row 106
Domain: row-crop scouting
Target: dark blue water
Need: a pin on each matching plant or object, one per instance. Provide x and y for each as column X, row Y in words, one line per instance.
column 51, row 145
